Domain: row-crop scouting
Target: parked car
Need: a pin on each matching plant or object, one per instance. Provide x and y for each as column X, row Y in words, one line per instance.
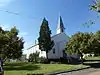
column 74, row 59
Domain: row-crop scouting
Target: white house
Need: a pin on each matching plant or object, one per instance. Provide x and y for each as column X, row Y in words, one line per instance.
column 60, row 39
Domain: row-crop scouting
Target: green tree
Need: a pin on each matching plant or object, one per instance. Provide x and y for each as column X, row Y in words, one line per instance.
column 34, row 57
column 97, row 43
column 10, row 44
column 79, row 43
column 95, row 6
column 45, row 42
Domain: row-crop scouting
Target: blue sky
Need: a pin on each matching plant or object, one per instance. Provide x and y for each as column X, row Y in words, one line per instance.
column 74, row 13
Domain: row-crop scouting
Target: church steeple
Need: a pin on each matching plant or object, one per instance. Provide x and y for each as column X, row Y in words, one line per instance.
column 60, row 27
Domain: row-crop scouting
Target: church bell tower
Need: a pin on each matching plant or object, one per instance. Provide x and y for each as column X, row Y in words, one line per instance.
column 60, row 27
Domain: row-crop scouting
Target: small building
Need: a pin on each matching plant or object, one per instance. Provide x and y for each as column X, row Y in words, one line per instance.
column 60, row 40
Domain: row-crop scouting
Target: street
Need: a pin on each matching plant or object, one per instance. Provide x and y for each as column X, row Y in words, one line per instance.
column 90, row 71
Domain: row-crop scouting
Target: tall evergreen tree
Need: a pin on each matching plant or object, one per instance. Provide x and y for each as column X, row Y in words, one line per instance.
column 45, row 42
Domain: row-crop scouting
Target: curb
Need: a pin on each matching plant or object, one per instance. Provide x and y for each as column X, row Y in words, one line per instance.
column 54, row 73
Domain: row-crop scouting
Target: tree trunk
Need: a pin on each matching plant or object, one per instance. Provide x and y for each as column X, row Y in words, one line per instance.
column 47, row 55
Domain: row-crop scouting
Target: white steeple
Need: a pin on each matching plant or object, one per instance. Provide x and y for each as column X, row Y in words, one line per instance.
column 60, row 27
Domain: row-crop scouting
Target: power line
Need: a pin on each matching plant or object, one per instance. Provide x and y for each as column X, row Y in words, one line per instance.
column 9, row 12
column 17, row 14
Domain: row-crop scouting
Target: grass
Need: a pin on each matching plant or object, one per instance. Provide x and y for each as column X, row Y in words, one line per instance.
column 93, row 58
column 93, row 62
column 29, row 68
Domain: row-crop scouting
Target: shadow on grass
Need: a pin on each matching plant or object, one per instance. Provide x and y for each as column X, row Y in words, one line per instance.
column 35, row 74
column 17, row 64
column 92, row 63
column 20, row 66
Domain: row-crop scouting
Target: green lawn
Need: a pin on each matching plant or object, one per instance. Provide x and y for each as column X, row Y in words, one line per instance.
column 93, row 58
column 25, row 68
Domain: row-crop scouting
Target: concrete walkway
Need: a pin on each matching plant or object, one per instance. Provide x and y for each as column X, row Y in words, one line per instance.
column 90, row 71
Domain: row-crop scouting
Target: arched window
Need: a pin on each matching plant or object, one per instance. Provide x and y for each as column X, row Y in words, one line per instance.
column 54, row 50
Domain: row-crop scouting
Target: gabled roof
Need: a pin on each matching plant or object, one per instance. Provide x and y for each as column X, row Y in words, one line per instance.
column 58, row 35
column 32, row 46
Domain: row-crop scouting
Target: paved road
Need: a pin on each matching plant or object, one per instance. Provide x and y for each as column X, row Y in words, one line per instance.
column 90, row 71
column 94, row 73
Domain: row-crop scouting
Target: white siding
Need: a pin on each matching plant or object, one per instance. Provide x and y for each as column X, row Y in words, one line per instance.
column 59, row 45
column 59, row 40
column 29, row 52
column 34, row 49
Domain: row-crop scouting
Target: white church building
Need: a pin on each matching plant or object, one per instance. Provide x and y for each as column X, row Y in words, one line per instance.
column 60, row 39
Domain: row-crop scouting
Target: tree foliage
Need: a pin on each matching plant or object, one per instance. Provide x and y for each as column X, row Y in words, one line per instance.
column 34, row 57
column 95, row 6
column 10, row 44
column 97, row 43
column 81, row 43
column 45, row 42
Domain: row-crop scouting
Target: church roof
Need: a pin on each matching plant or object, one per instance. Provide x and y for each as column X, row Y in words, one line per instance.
column 32, row 46
column 60, row 26
column 51, row 37
column 55, row 35
column 59, row 34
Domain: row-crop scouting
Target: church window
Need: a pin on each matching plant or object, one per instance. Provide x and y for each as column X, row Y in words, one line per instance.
column 54, row 50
